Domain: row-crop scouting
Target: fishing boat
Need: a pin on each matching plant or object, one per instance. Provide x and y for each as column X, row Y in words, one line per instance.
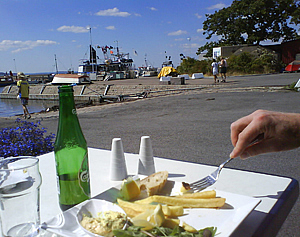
column 115, row 65
column 6, row 79
column 64, row 79
column 147, row 70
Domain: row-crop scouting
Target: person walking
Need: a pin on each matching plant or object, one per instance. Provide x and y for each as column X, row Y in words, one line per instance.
column 223, row 70
column 23, row 93
column 215, row 71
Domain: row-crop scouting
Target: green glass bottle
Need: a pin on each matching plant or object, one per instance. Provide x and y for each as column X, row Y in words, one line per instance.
column 71, row 153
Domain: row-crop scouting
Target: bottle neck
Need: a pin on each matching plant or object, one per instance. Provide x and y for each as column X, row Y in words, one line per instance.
column 66, row 105
column 68, row 125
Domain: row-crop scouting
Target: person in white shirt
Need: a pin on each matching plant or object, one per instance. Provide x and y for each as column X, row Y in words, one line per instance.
column 215, row 71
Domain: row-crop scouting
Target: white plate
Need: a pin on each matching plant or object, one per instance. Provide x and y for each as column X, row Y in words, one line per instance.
column 226, row 219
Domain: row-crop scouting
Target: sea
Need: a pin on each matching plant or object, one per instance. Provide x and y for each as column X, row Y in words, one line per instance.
column 11, row 107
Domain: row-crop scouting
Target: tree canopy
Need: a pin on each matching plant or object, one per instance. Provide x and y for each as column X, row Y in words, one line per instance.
column 252, row 21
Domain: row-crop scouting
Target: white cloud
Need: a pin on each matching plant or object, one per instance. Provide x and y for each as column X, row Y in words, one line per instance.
column 193, row 45
column 200, row 30
column 178, row 32
column 112, row 12
column 153, row 9
column 110, row 27
column 198, row 16
column 73, row 29
column 18, row 46
column 216, row 6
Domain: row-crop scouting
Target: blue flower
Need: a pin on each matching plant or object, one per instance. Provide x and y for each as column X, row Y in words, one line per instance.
column 25, row 139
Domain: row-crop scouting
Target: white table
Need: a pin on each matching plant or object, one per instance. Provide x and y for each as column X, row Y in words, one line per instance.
column 278, row 194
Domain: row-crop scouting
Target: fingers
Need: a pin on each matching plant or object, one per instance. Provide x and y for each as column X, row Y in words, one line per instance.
column 248, row 130
column 237, row 127
column 244, row 132
column 261, row 147
column 265, row 131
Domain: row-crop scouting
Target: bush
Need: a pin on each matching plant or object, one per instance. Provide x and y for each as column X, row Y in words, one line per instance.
column 247, row 63
column 191, row 65
column 25, row 139
column 240, row 63
column 244, row 63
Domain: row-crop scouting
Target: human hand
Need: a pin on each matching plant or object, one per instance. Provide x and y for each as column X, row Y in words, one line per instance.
column 265, row 131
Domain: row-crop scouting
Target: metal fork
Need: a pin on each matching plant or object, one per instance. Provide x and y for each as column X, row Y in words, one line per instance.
column 208, row 180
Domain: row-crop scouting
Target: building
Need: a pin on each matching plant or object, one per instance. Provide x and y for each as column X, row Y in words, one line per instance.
column 290, row 51
column 286, row 51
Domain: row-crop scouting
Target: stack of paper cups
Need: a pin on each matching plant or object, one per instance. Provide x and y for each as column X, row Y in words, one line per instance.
column 118, row 170
column 146, row 161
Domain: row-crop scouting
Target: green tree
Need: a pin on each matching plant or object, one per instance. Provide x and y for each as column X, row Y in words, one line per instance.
column 186, row 65
column 252, row 21
column 191, row 65
column 247, row 63
column 240, row 63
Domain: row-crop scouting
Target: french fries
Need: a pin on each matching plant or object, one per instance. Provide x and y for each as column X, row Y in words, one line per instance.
column 204, row 194
column 198, row 195
column 146, row 215
column 176, row 211
column 132, row 209
column 185, row 202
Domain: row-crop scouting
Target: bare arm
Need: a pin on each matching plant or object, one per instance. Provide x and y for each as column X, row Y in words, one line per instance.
column 265, row 131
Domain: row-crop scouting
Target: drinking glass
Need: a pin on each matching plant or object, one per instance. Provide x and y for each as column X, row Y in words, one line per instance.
column 20, row 182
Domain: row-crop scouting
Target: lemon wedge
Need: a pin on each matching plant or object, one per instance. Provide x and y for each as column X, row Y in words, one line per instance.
column 143, row 223
column 130, row 189
column 188, row 228
column 150, row 218
column 158, row 215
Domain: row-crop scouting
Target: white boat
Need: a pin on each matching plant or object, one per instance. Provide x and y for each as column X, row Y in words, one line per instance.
column 70, row 79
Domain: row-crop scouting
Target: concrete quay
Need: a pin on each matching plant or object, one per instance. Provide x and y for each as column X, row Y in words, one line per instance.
column 99, row 91
column 130, row 89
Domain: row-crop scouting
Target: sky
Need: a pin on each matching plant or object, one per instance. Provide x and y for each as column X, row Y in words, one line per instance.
column 35, row 32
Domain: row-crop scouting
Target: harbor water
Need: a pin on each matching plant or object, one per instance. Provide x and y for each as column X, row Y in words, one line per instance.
column 11, row 107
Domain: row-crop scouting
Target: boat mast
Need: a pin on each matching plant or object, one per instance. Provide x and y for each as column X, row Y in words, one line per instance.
column 56, row 64
column 91, row 50
column 118, row 52
column 146, row 63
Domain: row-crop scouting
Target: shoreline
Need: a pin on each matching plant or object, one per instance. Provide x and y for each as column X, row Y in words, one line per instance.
column 91, row 97
column 83, row 108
